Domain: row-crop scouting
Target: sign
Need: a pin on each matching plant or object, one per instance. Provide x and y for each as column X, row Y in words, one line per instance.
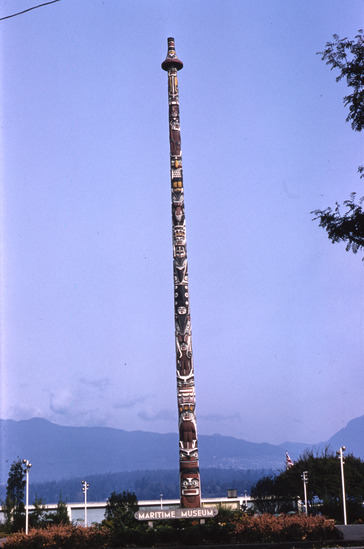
column 199, row 512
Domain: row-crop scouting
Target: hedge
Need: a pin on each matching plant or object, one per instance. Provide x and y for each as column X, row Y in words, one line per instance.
column 237, row 528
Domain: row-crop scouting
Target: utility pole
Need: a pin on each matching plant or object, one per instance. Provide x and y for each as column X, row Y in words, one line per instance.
column 190, row 486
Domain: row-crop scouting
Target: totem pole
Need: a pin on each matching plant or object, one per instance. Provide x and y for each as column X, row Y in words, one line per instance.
column 190, row 489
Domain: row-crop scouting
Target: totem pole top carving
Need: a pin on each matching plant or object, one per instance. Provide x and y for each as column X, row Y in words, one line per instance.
column 171, row 60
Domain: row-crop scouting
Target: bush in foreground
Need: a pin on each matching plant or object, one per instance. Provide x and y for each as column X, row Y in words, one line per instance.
column 236, row 528
column 58, row 536
column 269, row 529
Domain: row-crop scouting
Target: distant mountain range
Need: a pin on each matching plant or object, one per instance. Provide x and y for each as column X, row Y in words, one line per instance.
column 58, row 452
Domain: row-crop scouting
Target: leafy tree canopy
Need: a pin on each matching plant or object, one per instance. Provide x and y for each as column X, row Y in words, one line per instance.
column 120, row 509
column 36, row 515
column 324, row 493
column 40, row 518
column 60, row 516
column 14, row 500
column 347, row 226
column 348, row 57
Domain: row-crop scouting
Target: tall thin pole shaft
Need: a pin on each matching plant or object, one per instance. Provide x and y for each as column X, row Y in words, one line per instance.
column 86, row 507
column 190, row 486
column 343, row 483
column 305, row 493
column 27, row 467
column 27, row 501
column 85, row 487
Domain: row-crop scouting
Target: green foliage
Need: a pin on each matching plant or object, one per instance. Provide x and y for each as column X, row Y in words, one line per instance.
column 120, row 509
column 60, row 516
column 36, row 516
column 323, row 489
column 271, row 498
column 14, row 501
column 344, row 227
column 348, row 57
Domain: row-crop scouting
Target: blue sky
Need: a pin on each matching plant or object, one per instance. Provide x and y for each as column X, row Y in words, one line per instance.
column 87, row 287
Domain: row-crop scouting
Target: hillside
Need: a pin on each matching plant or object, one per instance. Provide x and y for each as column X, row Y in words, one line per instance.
column 59, row 452
column 351, row 436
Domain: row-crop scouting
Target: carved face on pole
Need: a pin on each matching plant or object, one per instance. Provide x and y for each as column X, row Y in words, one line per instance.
column 190, row 489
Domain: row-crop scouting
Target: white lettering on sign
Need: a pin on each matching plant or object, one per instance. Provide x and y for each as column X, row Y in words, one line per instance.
column 191, row 513
column 200, row 512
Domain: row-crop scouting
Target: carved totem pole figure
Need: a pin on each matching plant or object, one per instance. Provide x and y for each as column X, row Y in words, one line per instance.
column 190, row 488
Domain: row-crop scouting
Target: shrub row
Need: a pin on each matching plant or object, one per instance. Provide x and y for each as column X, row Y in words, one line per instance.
column 58, row 536
column 238, row 528
column 269, row 528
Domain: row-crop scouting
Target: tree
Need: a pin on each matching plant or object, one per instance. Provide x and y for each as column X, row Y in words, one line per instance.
column 13, row 506
column 271, row 497
column 324, row 485
column 36, row 519
column 120, row 509
column 348, row 57
column 344, row 227
column 61, row 515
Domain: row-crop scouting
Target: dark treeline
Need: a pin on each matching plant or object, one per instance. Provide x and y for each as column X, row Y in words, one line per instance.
column 145, row 484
